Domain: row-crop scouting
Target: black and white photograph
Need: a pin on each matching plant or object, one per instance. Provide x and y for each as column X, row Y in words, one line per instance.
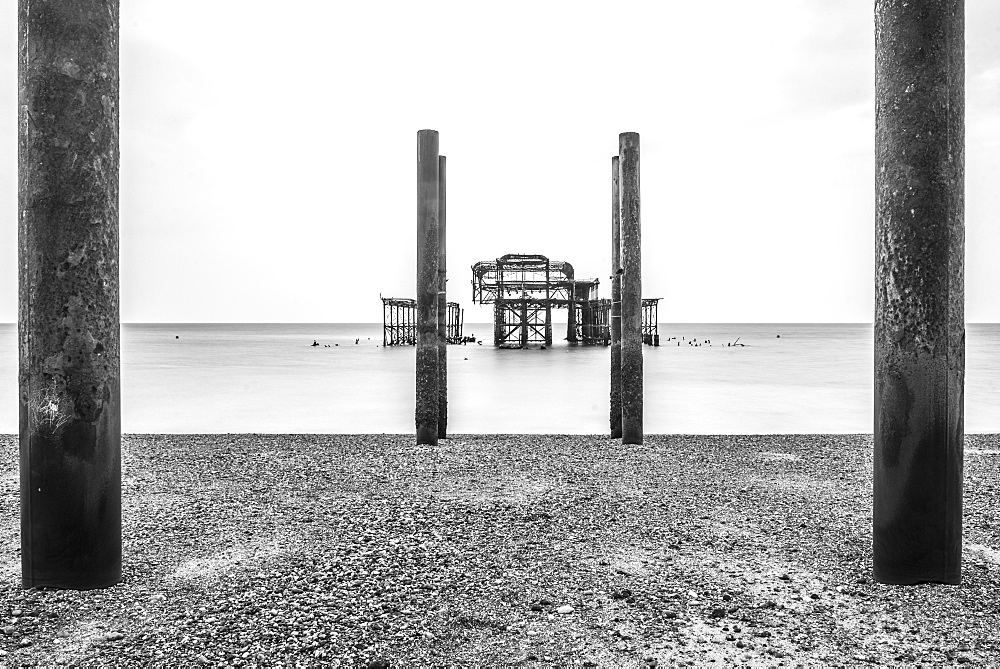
column 526, row 334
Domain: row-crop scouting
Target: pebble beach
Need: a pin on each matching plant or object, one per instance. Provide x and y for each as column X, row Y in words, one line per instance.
column 529, row 550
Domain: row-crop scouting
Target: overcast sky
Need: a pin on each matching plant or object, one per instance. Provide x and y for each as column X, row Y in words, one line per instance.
column 268, row 166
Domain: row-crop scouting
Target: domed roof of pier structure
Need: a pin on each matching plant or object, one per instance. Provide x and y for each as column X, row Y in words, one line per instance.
column 527, row 276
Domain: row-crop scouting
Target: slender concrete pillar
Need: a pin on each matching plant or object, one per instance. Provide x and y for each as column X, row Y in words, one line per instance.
column 919, row 290
column 68, row 317
column 616, row 304
column 631, row 288
column 442, row 304
column 427, row 287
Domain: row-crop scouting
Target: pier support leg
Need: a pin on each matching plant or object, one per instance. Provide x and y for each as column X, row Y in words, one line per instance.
column 524, row 323
column 427, row 287
column 548, row 324
column 571, row 317
column 68, row 316
column 919, row 291
column 616, row 304
column 442, row 304
column 631, row 287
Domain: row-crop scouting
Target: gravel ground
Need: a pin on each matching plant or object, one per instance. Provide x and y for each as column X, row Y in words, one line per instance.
column 488, row 550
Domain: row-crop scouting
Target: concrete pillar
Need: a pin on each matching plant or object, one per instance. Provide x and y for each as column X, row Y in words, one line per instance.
column 919, row 290
column 442, row 305
column 68, row 317
column 427, row 287
column 616, row 304
column 631, row 288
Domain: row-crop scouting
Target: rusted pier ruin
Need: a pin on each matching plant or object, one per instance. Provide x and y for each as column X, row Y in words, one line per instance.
column 524, row 289
column 399, row 317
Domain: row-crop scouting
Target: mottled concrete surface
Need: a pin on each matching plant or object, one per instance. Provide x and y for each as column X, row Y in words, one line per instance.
column 631, row 288
column 919, row 289
column 68, row 290
column 426, row 413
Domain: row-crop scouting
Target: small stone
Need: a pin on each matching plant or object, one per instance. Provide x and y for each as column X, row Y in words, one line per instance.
column 9, row 630
column 115, row 636
column 785, row 577
column 730, row 637
column 589, row 663
column 545, row 602
column 25, row 641
column 740, row 644
column 621, row 594
column 718, row 613
column 378, row 663
column 536, row 607
column 158, row 597
column 670, row 615
column 564, row 609
column 727, row 598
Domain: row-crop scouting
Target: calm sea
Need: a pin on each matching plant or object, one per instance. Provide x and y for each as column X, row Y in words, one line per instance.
column 267, row 378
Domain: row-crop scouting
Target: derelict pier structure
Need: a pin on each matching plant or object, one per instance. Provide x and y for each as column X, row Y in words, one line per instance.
column 524, row 289
column 399, row 322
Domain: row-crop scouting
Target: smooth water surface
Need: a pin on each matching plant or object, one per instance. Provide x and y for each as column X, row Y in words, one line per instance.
column 267, row 378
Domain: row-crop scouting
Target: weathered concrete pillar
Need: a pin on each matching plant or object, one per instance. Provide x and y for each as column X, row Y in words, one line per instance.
column 427, row 286
column 616, row 304
column 919, row 290
column 442, row 304
column 68, row 317
column 631, row 288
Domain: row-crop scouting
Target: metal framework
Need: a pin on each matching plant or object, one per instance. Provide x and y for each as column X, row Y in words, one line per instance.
column 399, row 322
column 524, row 289
column 650, row 317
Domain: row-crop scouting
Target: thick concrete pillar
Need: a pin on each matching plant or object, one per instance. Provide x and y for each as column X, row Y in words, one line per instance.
column 919, row 290
column 442, row 304
column 616, row 304
column 631, row 288
column 68, row 317
column 427, row 286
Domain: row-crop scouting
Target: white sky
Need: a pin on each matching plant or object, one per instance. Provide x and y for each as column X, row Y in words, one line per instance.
column 269, row 152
